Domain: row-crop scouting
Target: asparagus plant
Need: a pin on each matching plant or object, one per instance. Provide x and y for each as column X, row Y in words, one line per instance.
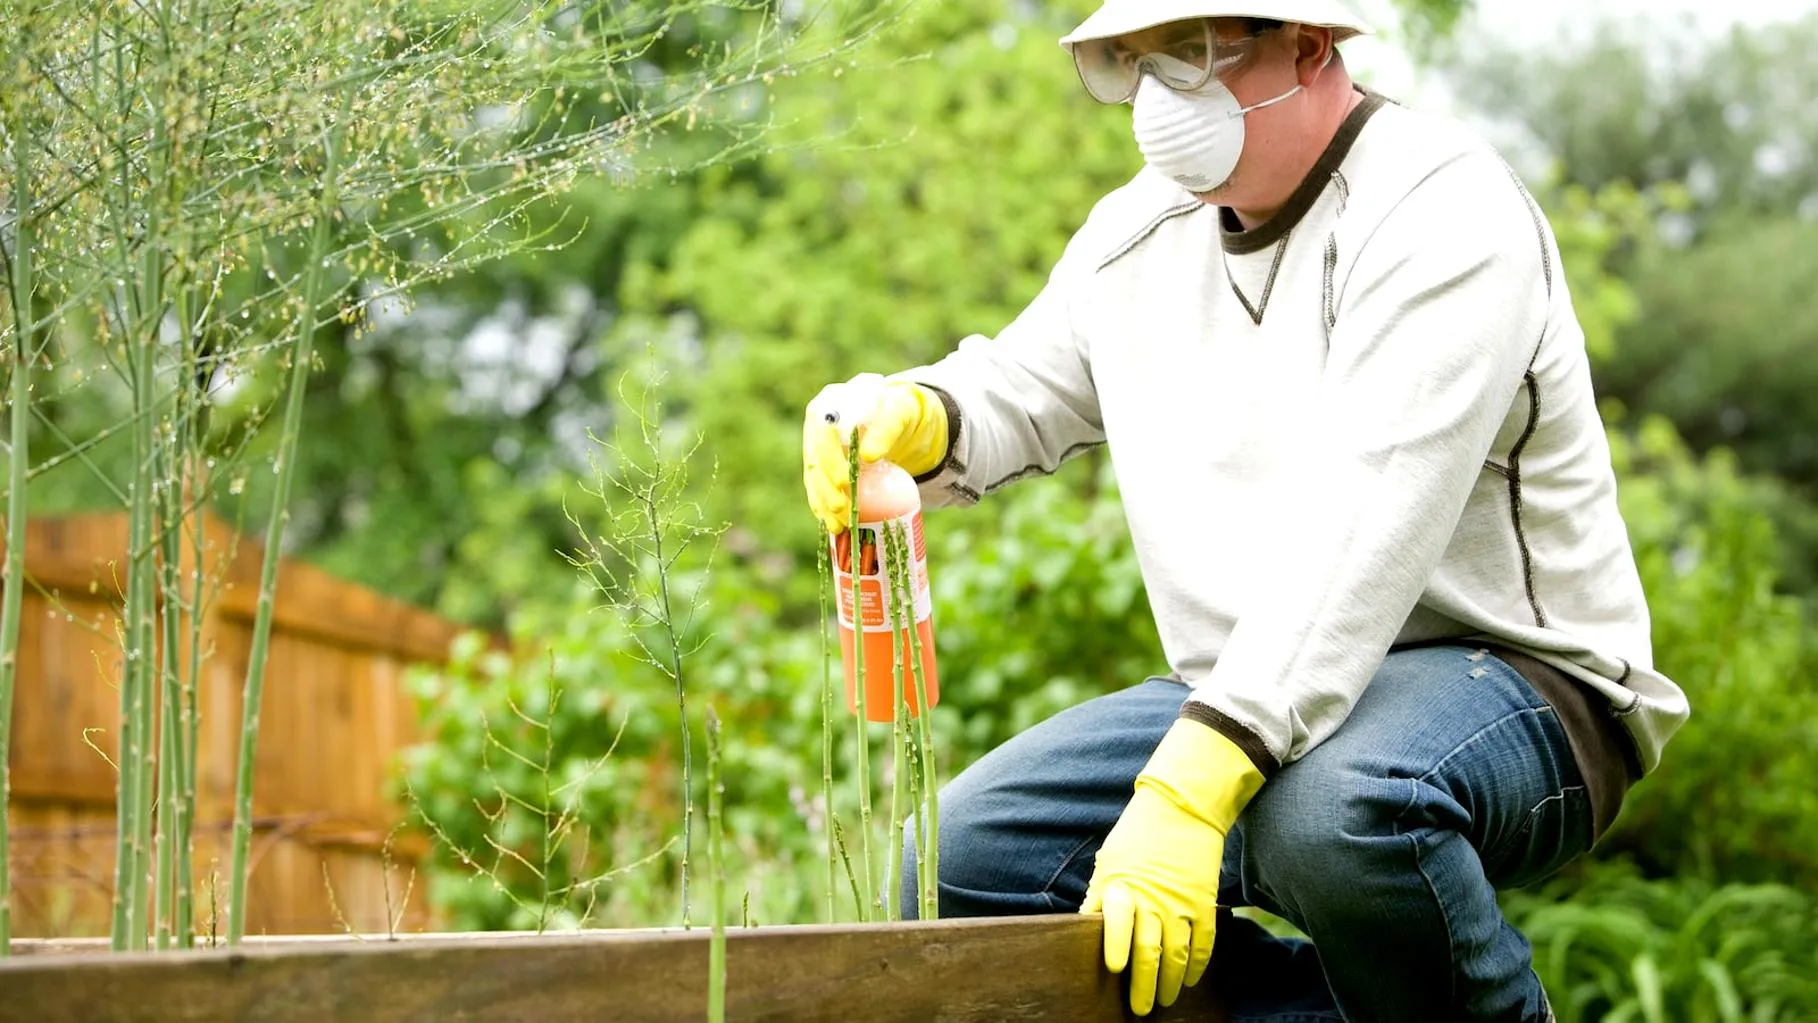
column 716, row 868
column 19, row 268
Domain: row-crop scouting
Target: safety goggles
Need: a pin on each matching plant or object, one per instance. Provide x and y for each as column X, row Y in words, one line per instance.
column 1184, row 57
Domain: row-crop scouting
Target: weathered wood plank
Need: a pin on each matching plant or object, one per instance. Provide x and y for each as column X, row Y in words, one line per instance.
column 334, row 682
column 1043, row 968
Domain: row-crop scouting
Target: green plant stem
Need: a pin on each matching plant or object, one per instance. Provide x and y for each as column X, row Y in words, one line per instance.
column 139, row 754
column 164, row 625
column 681, row 695
column 195, row 515
column 146, row 496
column 839, row 841
column 918, row 798
column 125, row 915
column 301, row 355
column 921, row 792
column 893, row 563
column 164, row 841
column 170, row 725
column 822, row 561
column 12, row 604
column 716, row 865
column 171, row 728
column 928, row 812
column 552, row 696
column 858, row 669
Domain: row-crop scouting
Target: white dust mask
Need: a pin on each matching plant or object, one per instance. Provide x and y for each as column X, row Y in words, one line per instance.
column 1194, row 138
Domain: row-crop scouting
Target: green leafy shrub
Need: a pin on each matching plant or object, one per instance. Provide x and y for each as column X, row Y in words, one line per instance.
column 1612, row 946
column 529, row 751
column 1038, row 605
column 1733, row 798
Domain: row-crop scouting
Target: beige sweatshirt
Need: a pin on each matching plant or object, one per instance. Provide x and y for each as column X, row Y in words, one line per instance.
column 1368, row 422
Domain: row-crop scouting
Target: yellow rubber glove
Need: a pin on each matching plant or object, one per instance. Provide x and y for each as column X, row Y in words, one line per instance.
column 1156, row 878
column 907, row 425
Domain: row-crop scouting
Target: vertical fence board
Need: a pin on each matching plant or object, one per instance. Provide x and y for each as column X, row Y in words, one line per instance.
column 334, row 719
column 68, row 666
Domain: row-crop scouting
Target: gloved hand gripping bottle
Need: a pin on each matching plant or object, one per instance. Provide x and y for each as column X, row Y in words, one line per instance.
column 889, row 504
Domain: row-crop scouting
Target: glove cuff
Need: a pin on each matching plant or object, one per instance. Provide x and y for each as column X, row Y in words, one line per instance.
column 1202, row 772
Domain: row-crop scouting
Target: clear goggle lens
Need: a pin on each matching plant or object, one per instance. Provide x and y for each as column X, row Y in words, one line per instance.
column 1184, row 58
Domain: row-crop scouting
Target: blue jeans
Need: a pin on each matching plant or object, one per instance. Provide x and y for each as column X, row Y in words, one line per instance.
column 1385, row 844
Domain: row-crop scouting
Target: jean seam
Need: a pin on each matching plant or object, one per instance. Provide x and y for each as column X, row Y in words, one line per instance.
column 1527, row 825
column 1479, row 734
column 1534, row 811
column 1527, row 821
column 1066, row 861
column 1445, row 918
column 1414, row 840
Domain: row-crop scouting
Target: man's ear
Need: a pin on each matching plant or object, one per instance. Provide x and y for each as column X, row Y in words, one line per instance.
column 1313, row 52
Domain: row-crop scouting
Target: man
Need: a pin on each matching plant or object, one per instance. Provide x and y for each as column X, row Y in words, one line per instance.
column 1327, row 342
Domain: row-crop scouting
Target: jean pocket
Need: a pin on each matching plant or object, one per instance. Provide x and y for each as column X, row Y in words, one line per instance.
column 1555, row 832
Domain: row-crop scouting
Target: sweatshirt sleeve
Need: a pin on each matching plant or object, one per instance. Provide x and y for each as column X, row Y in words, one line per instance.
column 1023, row 402
column 1438, row 323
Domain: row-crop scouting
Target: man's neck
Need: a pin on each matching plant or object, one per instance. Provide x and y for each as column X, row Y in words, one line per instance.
column 1312, row 146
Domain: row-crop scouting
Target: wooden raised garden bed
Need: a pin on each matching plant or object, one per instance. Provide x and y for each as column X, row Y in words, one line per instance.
column 1029, row 968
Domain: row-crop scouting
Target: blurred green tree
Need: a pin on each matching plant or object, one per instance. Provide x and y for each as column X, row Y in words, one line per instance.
column 1652, row 101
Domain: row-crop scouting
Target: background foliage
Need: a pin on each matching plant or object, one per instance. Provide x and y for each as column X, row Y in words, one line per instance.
column 868, row 240
column 921, row 195
column 1683, row 254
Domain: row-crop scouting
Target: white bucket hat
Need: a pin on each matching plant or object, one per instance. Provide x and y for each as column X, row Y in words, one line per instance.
column 1116, row 17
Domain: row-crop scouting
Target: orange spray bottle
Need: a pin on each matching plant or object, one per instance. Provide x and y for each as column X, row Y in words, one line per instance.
column 889, row 504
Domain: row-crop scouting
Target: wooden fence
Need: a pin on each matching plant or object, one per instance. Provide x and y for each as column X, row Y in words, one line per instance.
column 335, row 715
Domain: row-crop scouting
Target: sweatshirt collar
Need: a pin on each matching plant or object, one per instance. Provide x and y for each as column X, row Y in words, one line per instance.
column 1240, row 242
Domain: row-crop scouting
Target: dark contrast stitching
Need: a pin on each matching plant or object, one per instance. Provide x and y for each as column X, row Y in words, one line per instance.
column 1627, row 670
column 1540, row 226
column 1160, row 218
column 1514, row 477
column 1245, row 740
column 1331, row 267
column 1343, row 188
column 1500, row 470
column 1533, row 385
column 1035, row 469
column 1256, row 311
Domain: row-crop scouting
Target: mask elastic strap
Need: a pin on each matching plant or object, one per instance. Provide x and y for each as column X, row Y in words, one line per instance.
column 1267, row 103
column 1290, row 92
